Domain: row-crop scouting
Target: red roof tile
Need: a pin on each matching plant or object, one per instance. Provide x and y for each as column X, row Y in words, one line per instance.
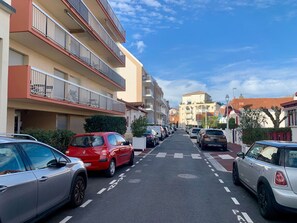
column 256, row 103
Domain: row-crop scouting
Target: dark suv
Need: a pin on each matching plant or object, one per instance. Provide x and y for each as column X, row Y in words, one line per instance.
column 212, row 137
column 269, row 169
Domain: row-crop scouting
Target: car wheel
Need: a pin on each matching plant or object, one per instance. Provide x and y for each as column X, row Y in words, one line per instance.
column 131, row 161
column 265, row 202
column 235, row 175
column 78, row 191
column 111, row 169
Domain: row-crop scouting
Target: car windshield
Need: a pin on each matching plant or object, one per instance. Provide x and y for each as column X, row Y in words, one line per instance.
column 87, row 141
column 214, row 132
column 195, row 130
column 291, row 158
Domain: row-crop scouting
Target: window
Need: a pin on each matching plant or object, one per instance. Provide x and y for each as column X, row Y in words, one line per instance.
column 62, row 122
column 39, row 155
column 269, row 154
column 10, row 160
column 16, row 58
column 291, row 158
column 112, row 140
column 120, row 139
column 254, row 151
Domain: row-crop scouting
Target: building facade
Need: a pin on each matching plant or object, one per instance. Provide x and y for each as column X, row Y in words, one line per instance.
column 5, row 11
column 62, row 60
column 194, row 107
column 290, row 109
column 156, row 106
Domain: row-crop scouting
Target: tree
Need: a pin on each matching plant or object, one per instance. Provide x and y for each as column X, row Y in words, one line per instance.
column 251, row 118
column 138, row 126
column 276, row 120
column 232, row 123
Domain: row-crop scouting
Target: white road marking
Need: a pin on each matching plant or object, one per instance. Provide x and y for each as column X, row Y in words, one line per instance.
column 161, row 155
column 86, row 203
column 178, row 155
column 217, row 175
column 133, row 166
column 137, row 162
column 196, row 156
column 140, row 159
column 101, row 191
column 122, row 175
column 66, row 219
column 136, row 153
column 235, row 200
column 226, row 157
column 212, row 170
column 112, row 182
column 227, row 189
column 221, row 181
column 247, row 217
column 209, row 166
column 127, row 170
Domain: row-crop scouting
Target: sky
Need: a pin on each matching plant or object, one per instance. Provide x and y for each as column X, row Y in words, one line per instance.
column 234, row 47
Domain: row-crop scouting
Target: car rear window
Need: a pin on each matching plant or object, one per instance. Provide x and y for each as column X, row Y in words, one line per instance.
column 195, row 130
column 87, row 141
column 214, row 132
column 291, row 158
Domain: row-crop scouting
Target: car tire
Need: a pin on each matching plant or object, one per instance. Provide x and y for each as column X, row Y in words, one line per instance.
column 235, row 175
column 266, row 201
column 78, row 191
column 131, row 161
column 111, row 169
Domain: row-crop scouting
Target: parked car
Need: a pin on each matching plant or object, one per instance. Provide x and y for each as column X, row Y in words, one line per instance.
column 194, row 132
column 152, row 138
column 269, row 169
column 101, row 151
column 166, row 130
column 212, row 137
column 159, row 129
column 38, row 176
column 199, row 136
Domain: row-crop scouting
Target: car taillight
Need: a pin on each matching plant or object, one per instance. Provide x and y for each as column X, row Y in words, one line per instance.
column 67, row 152
column 103, row 155
column 280, row 179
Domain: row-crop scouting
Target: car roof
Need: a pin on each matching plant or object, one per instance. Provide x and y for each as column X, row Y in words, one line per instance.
column 277, row 143
column 95, row 133
column 5, row 139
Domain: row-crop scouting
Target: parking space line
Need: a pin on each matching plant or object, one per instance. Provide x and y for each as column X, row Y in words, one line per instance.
column 227, row 189
column 235, row 200
column 66, row 219
column 161, row 155
column 86, row 203
column 217, row 175
column 221, row 181
column 101, row 191
column 127, row 170
column 178, row 155
column 112, row 182
column 247, row 217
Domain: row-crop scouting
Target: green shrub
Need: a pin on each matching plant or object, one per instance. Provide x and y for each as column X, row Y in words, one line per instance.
column 138, row 126
column 103, row 123
column 58, row 139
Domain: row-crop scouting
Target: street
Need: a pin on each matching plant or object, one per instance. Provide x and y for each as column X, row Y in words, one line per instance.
column 173, row 182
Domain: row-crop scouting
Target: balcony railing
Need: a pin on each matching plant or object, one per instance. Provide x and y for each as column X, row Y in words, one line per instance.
column 89, row 18
column 56, row 33
column 148, row 107
column 148, row 78
column 111, row 13
column 50, row 86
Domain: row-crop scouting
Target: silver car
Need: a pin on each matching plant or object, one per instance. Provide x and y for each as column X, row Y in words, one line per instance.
column 40, row 176
column 269, row 169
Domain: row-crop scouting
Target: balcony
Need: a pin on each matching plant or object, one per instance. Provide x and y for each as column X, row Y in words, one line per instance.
column 148, row 80
column 36, row 85
column 148, row 93
column 84, row 13
column 47, row 37
column 108, row 18
column 149, row 107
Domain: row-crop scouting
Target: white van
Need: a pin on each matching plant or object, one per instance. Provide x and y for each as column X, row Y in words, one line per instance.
column 159, row 130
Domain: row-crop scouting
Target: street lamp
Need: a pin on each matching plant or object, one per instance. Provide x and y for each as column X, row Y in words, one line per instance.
column 227, row 115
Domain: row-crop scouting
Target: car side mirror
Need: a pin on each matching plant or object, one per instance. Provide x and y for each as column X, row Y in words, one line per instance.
column 61, row 162
column 241, row 155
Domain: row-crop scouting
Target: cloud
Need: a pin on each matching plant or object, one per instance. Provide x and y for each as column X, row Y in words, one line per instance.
column 152, row 3
column 140, row 46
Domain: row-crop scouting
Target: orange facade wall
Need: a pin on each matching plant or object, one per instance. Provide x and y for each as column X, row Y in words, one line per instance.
column 18, row 82
column 22, row 19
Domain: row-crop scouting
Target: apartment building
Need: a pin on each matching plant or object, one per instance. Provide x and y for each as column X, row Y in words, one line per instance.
column 62, row 60
column 5, row 11
column 193, row 106
column 156, row 106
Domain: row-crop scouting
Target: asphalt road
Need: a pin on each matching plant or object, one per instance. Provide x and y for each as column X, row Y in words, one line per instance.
column 174, row 183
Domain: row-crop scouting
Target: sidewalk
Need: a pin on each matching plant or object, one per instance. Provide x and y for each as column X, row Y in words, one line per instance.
column 225, row 158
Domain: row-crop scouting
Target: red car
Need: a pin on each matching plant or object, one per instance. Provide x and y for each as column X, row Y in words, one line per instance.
column 101, row 151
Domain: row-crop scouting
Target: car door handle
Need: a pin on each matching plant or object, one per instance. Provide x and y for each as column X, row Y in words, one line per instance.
column 43, row 178
column 3, row 188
